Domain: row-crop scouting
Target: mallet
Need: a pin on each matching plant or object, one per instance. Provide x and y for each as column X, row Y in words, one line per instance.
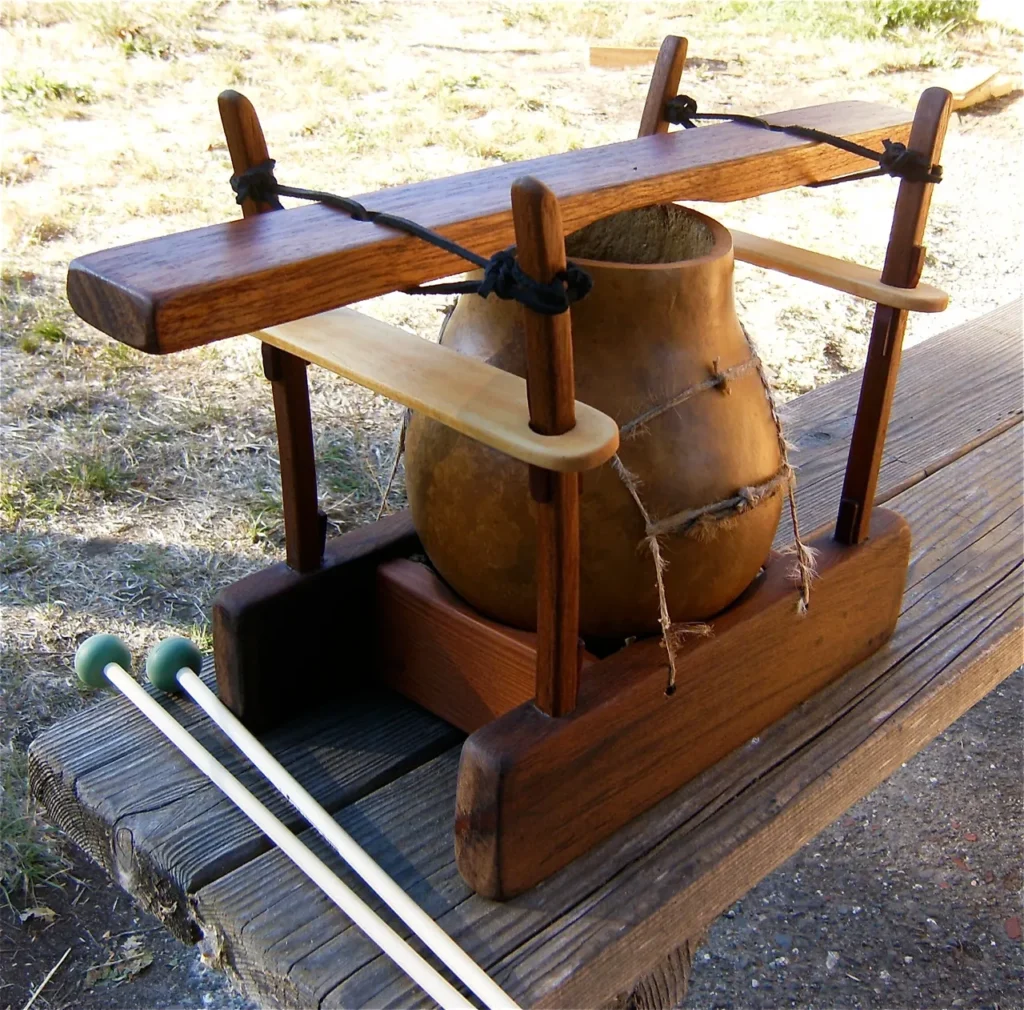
column 102, row 661
column 174, row 664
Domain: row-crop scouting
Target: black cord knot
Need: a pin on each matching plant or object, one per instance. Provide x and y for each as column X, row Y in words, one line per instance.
column 257, row 183
column 504, row 277
column 897, row 161
column 680, row 111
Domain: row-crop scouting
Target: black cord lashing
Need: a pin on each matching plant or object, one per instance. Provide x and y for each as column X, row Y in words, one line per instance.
column 503, row 275
column 894, row 160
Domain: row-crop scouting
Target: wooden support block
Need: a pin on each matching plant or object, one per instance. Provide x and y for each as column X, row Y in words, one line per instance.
column 437, row 651
column 536, row 792
column 284, row 640
column 854, row 279
column 166, row 294
column 472, row 397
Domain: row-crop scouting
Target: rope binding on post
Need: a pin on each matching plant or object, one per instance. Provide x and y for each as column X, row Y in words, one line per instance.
column 895, row 160
column 503, row 275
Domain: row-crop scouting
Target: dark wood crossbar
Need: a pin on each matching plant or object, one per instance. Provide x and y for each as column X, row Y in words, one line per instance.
column 167, row 294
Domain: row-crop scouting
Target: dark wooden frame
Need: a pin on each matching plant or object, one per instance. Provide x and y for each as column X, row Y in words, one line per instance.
column 543, row 776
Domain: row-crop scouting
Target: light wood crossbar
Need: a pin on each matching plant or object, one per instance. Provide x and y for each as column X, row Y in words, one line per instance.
column 472, row 397
column 835, row 273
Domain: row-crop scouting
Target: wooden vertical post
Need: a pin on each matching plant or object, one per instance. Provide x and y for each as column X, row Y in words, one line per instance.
column 904, row 261
column 664, row 85
column 304, row 526
column 540, row 244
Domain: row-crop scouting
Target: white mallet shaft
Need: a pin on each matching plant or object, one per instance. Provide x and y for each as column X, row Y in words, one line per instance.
column 346, row 899
column 436, row 939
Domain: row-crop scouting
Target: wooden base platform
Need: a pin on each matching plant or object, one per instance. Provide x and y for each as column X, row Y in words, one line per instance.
column 614, row 921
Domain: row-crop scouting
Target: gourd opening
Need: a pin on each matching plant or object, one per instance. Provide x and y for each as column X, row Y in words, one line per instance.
column 663, row 233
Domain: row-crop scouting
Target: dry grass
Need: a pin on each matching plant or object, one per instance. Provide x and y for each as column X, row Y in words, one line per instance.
column 133, row 488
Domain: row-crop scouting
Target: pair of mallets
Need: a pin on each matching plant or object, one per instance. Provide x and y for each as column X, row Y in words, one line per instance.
column 173, row 665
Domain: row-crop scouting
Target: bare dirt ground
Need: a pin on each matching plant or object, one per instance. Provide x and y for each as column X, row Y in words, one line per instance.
column 133, row 488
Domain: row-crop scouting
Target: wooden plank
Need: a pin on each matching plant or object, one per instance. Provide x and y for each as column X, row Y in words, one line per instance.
column 551, row 389
column 563, row 965
column 975, row 367
column 974, row 85
column 248, row 645
column 664, row 84
column 471, row 396
column 744, row 849
column 437, row 651
column 303, row 528
column 953, row 567
column 184, row 290
column 617, row 57
column 162, row 836
column 854, row 279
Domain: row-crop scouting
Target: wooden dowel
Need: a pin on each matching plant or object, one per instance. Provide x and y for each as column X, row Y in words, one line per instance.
column 664, row 85
column 304, row 527
column 904, row 260
column 464, row 967
column 550, row 390
column 346, row 899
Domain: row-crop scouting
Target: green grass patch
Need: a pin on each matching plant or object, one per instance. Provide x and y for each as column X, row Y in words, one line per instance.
column 858, row 19
column 25, row 499
column 157, row 31
column 19, row 554
column 42, row 496
column 38, row 91
column 201, row 635
column 50, row 330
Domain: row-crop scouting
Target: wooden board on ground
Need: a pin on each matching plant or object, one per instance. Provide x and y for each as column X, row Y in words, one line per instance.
column 616, row 57
column 602, row 925
column 974, row 85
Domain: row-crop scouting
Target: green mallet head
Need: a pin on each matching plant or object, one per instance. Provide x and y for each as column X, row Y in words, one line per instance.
column 166, row 659
column 93, row 655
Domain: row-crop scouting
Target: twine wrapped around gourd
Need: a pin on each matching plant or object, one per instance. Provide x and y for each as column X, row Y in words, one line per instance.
column 702, row 469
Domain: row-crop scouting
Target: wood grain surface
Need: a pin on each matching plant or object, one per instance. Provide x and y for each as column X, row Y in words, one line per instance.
column 609, row 917
column 166, row 294
column 437, row 651
column 551, row 390
column 304, row 531
column 841, row 275
column 470, row 396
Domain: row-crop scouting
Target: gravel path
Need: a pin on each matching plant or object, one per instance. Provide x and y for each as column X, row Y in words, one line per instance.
column 910, row 901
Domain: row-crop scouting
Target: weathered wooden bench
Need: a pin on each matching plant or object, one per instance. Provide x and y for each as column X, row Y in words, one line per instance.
column 615, row 925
